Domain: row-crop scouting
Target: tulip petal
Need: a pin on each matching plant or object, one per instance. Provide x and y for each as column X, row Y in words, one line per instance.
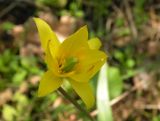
column 74, row 42
column 94, row 43
column 48, row 83
column 51, row 61
column 46, row 34
column 89, row 65
column 85, row 91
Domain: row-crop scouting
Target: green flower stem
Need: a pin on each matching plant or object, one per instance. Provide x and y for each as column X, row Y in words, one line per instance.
column 63, row 92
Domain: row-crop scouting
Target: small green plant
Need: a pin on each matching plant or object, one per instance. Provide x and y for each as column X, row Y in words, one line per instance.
column 140, row 14
column 14, row 68
column 7, row 26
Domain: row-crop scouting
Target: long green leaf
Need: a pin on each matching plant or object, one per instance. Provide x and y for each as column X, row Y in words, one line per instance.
column 103, row 103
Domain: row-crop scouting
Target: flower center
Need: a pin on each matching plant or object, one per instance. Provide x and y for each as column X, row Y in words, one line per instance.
column 69, row 64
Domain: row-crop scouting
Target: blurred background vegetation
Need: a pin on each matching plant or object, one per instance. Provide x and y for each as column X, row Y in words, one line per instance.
column 130, row 34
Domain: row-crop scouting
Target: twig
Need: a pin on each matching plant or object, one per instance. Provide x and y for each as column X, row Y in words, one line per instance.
column 8, row 9
column 130, row 19
column 149, row 107
column 63, row 92
column 15, row 3
column 116, row 100
column 121, row 97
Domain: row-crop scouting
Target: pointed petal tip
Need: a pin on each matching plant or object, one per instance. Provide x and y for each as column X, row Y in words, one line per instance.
column 84, row 27
column 85, row 92
column 40, row 21
column 48, row 84
column 35, row 19
column 90, row 106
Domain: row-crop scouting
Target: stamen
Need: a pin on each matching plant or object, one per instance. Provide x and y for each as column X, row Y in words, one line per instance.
column 69, row 64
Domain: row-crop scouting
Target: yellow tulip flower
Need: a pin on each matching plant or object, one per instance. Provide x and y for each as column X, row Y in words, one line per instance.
column 75, row 59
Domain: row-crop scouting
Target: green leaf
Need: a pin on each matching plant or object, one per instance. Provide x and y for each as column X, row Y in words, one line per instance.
column 53, row 3
column 21, row 99
column 156, row 118
column 79, row 14
column 14, row 65
column 119, row 22
column 130, row 63
column 119, row 56
column 103, row 103
column 8, row 113
column 19, row 76
column 7, row 26
column 1, row 65
column 7, row 56
column 115, row 82
column 35, row 70
column 27, row 62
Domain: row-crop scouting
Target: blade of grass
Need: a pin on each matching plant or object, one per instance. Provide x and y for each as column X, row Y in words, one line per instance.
column 103, row 103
